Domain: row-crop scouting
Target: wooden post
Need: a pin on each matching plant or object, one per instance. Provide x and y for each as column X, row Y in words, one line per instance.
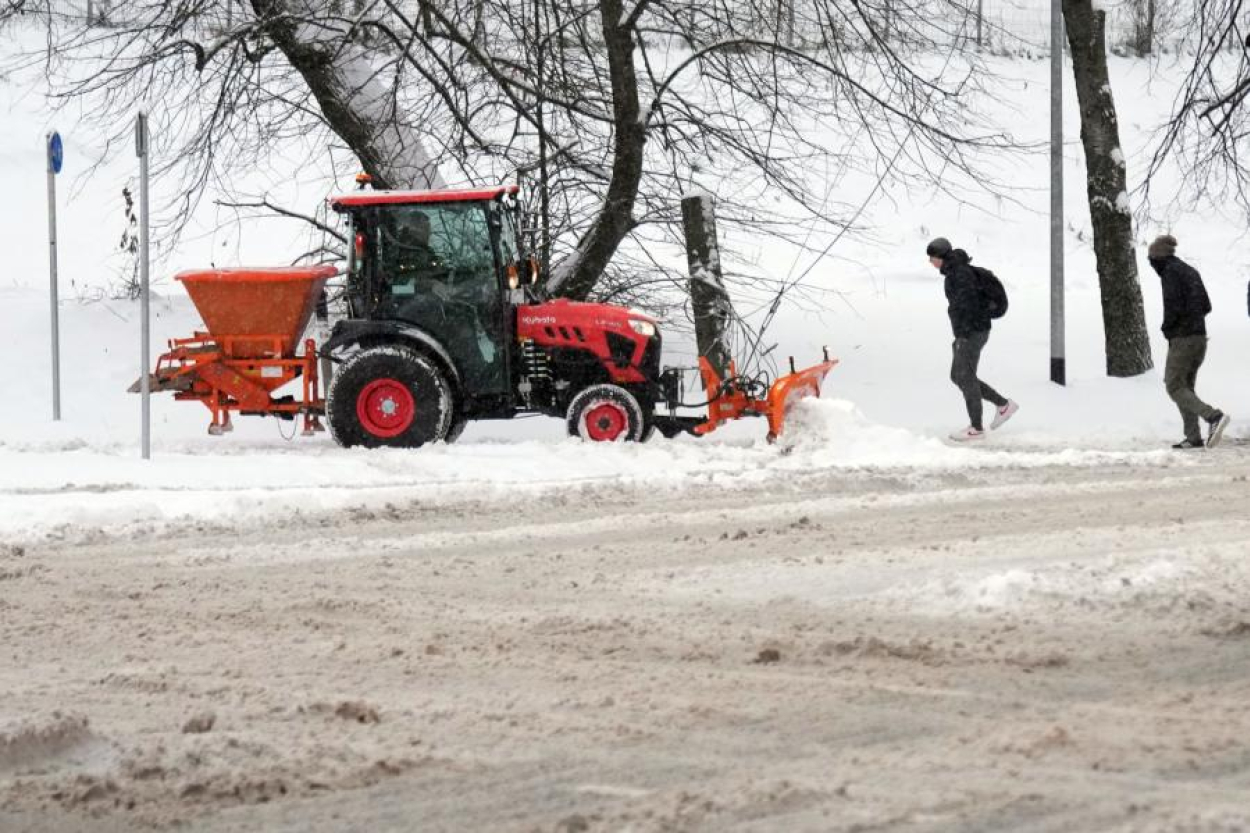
column 709, row 301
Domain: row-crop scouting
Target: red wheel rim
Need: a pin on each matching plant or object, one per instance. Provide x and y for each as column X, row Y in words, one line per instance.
column 385, row 407
column 606, row 421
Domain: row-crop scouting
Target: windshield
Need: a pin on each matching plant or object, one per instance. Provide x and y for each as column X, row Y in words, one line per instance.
column 442, row 241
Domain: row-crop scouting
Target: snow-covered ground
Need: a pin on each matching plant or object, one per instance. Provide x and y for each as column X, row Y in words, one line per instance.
column 1011, row 651
column 880, row 311
column 862, row 627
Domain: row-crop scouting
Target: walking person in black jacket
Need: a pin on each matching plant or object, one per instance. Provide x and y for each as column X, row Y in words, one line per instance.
column 1185, row 308
column 969, row 311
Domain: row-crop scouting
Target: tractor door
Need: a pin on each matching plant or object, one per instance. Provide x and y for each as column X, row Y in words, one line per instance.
column 433, row 265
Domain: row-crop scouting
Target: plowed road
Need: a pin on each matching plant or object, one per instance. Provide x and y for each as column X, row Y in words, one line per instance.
column 1057, row 649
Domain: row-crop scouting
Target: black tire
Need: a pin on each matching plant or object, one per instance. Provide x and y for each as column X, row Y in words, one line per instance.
column 390, row 396
column 648, row 420
column 605, row 413
column 457, row 428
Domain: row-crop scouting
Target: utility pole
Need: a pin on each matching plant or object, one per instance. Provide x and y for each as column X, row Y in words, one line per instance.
column 145, row 380
column 1058, row 358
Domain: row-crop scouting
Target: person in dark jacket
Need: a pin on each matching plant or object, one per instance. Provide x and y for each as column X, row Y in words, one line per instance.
column 969, row 312
column 1185, row 309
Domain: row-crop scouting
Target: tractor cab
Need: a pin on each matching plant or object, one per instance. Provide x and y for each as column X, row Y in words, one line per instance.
column 442, row 263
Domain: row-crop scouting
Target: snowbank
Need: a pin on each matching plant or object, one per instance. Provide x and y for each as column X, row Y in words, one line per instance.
column 72, row 489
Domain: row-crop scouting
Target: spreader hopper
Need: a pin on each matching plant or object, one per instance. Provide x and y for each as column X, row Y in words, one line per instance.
column 254, row 319
column 256, row 313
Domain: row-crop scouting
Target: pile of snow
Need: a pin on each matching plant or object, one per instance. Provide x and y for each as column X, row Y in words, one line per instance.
column 1103, row 575
column 1048, row 588
column 838, row 432
column 1176, row 579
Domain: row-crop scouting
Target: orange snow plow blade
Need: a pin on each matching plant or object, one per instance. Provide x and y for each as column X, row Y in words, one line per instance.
column 730, row 401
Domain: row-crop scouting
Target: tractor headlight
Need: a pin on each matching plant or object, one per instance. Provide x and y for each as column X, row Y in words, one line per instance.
column 641, row 327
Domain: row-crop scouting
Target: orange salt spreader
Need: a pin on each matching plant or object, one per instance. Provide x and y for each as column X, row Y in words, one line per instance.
column 254, row 318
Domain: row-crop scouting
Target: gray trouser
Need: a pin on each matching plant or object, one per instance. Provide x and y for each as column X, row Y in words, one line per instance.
column 1185, row 357
column 966, row 356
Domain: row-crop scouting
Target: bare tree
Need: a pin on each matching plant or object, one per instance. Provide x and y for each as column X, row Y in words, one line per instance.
column 340, row 72
column 1205, row 134
column 612, row 108
column 1124, row 320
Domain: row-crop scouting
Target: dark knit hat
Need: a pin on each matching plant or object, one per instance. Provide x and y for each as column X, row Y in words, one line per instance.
column 938, row 247
column 1163, row 246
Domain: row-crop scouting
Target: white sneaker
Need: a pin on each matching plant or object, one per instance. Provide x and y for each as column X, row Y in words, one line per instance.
column 1004, row 413
column 1217, row 425
column 968, row 434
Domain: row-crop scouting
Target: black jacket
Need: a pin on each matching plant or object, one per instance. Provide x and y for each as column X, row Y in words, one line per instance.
column 967, row 307
column 1185, row 301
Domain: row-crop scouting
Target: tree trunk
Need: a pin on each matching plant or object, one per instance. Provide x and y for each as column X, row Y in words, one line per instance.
column 709, row 300
column 355, row 104
column 576, row 275
column 1124, row 321
column 1143, row 27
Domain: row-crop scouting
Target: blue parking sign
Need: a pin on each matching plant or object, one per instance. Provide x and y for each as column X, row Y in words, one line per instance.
column 56, row 152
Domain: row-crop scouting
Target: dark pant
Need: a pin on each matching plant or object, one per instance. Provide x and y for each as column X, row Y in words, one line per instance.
column 966, row 356
column 1180, row 376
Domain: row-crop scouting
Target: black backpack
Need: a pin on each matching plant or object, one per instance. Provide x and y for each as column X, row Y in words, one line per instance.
column 993, row 291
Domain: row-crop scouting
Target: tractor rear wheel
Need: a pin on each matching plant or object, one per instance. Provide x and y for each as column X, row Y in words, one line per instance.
column 457, row 428
column 605, row 413
column 389, row 396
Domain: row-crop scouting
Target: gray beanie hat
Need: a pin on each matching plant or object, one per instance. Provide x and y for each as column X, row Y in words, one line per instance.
column 938, row 247
column 1163, row 246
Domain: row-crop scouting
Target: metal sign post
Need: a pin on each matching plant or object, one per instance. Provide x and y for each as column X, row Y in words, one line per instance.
column 145, row 383
column 56, row 155
column 1058, row 359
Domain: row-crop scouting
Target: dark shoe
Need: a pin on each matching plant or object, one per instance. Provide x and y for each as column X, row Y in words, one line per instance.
column 1217, row 424
column 1187, row 445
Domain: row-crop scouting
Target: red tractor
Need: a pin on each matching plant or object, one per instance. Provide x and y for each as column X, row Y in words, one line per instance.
column 444, row 324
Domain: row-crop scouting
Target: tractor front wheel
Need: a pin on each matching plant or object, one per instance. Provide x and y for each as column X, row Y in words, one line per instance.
column 605, row 413
column 389, row 396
